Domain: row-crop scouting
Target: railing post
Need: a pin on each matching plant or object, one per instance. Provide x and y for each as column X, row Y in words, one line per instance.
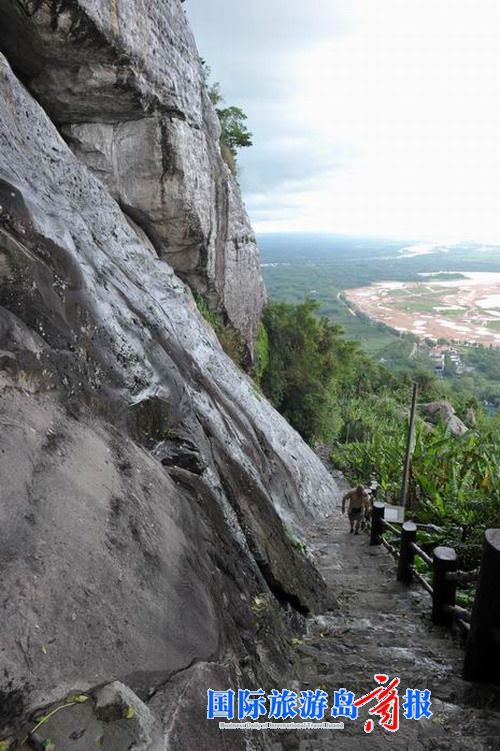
column 482, row 652
column 444, row 560
column 406, row 552
column 377, row 529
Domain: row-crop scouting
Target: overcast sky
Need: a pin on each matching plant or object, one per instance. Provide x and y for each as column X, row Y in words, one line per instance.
column 369, row 116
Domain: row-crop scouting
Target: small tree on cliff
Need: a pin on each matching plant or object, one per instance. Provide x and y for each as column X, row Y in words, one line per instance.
column 234, row 133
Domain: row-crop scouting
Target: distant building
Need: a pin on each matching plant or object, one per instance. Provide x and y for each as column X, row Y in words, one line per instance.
column 438, row 355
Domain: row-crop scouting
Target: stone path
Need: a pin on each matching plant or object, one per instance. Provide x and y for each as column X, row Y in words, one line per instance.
column 382, row 626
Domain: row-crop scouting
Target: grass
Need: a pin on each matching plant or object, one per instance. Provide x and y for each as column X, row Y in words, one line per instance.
column 452, row 312
column 420, row 305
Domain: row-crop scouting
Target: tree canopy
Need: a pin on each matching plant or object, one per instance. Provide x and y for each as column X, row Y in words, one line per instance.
column 311, row 368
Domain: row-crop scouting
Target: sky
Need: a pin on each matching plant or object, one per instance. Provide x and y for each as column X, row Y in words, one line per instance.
column 369, row 117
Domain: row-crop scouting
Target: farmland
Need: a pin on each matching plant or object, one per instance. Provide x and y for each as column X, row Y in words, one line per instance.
column 462, row 310
column 450, row 292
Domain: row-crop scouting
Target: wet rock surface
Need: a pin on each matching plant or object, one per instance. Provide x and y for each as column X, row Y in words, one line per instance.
column 112, row 717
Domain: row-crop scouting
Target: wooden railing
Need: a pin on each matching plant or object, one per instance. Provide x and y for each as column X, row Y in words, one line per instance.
column 482, row 625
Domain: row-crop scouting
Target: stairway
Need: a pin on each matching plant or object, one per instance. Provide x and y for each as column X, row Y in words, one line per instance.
column 382, row 626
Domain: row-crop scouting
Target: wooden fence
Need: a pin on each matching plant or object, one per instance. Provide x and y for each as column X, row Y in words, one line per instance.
column 482, row 625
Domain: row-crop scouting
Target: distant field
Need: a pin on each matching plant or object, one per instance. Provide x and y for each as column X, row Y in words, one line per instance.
column 463, row 310
column 329, row 268
column 326, row 267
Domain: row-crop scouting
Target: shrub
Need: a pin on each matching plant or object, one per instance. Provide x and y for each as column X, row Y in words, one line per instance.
column 262, row 352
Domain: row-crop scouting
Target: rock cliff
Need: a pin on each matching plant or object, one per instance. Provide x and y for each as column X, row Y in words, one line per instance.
column 122, row 81
column 150, row 496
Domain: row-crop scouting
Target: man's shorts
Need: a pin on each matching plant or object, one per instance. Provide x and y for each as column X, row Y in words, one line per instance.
column 355, row 514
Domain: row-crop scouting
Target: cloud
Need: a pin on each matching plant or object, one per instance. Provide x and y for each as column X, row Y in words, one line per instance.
column 369, row 116
column 268, row 27
column 288, row 163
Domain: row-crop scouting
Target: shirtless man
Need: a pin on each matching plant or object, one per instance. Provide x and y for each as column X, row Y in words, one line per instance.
column 358, row 504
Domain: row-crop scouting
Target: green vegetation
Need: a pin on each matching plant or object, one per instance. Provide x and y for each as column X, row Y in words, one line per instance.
column 313, row 372
column 234, row 132
column 451, row 312
column 419, row 305
column 478, row 379
column 295, row 542
column 455, row 481
column 262, row 351
column 299, row 377
column 229, row 338
column 481, row 377
column 234, row 136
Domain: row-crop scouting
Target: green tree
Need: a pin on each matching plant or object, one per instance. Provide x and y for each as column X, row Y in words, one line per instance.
column 234, row 132
column 291, row 379
column 304, row 356
column 318, row 379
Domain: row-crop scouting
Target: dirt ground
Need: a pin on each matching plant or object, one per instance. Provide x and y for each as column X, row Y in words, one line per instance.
column 463, row 310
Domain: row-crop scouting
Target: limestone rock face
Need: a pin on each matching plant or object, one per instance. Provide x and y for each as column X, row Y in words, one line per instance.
column 149, row 493
column 124, row 84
